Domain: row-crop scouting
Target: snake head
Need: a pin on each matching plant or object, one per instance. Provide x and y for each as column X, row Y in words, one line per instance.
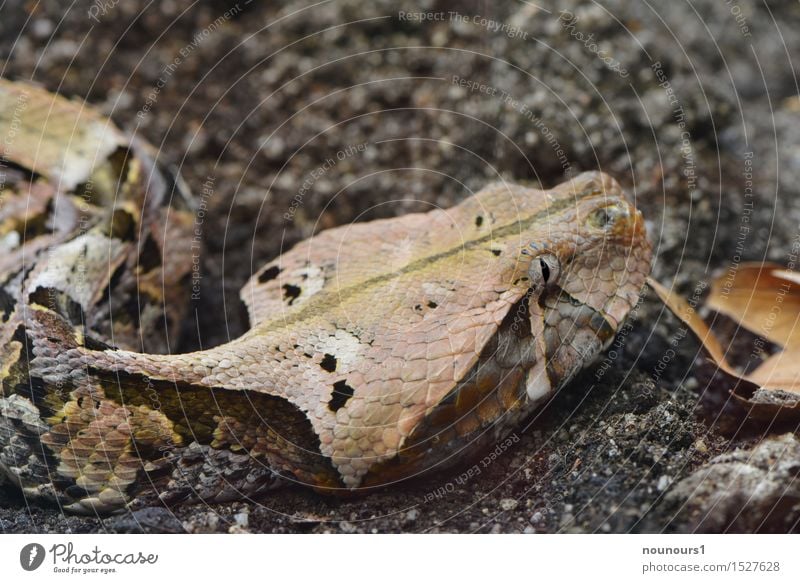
column 613, row 255
column 587, row 279
column 599, row 255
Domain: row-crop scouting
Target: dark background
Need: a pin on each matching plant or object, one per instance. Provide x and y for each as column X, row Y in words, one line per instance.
column 262, row 97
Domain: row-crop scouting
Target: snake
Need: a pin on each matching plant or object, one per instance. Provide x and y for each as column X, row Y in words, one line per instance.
column 378, row 352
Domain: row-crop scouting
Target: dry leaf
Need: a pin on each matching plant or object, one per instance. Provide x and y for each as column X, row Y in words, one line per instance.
column 780, row 372
column 770, row 390
column 678, row 306
column 764, row 298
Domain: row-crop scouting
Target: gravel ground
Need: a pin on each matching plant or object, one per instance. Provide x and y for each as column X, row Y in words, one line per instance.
column 678, row 101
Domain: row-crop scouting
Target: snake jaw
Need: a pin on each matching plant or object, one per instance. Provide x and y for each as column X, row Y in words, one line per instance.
column 584, row 295
column 538, row 385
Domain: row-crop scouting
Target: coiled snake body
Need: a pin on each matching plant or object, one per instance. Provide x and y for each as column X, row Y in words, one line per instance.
column 377, row 351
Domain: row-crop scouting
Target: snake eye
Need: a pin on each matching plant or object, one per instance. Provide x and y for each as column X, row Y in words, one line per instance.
column 545, row 270
column 550, row 268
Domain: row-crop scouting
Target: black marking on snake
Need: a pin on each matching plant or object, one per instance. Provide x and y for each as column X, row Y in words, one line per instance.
column 150, row 255
column 341, row 394
column 328, row 363
column 7, row 305
column 291, row 292
column 269, row 274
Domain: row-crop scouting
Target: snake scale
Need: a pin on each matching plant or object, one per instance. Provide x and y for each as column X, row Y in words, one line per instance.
column 377, row 352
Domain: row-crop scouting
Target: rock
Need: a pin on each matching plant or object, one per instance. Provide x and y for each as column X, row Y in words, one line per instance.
column 241, row 521
column 748, row 490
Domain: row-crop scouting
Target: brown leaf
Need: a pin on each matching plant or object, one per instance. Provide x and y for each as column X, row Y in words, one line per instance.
column 778, row 376
column 764, row 298
column 780, row 372
column 687, row 314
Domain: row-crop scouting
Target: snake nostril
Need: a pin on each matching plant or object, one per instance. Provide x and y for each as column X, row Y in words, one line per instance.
column 606, row 217
column 602, row 217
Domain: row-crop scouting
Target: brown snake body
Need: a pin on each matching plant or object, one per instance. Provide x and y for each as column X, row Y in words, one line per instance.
column 377, row 351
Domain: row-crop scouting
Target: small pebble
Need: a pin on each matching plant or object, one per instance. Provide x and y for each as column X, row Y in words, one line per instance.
column 42, row 28
column 242, row 519
column 412, row 515
column 508, row 504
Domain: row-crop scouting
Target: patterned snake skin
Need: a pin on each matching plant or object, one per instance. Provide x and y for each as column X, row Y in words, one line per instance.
column 377, row 352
